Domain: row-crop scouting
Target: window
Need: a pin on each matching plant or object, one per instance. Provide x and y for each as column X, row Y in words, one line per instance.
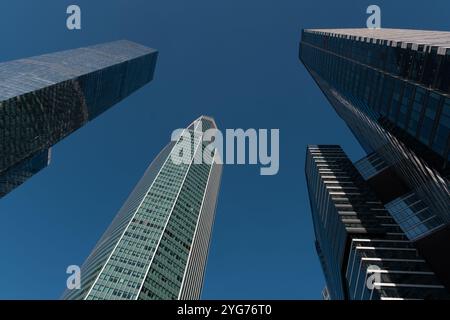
column 443, row 130
column 429, row 118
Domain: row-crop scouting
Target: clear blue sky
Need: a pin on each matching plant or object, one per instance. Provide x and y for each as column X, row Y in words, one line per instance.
column 236, row 60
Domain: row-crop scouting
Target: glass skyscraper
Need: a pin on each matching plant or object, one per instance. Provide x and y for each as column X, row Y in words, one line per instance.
column 363, row 251
column 391, row 87
column 157, row 245
column 45, row 98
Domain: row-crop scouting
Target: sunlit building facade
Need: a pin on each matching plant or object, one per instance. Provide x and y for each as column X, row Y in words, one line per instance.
column 156, row 247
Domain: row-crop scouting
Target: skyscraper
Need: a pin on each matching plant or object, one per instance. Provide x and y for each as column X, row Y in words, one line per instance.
column 45, row 98
column 391, row 87
column 157, row 246
column 363, row 251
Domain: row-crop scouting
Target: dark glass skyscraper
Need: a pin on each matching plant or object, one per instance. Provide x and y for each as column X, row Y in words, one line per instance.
column 392, row 88
column 45, row 98
column 157, row 246
column 363, row 251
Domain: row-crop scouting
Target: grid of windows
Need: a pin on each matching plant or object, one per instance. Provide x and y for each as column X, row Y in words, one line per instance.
column 370, row 166
column 357, row 238
column 415, row 107
column 413, row 216
column 171, row 257
column 442, row 138
column 43, row 99
column 100, row 254
column 392, row 51
column 19, row 173
column 390, row 269
column 342, row 205
column 145, row 254
column 366, row 96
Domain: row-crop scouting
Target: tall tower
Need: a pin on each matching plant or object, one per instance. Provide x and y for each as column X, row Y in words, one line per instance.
column 157, row 246
column 363, row 252
column 43, row 99
column 391, row 87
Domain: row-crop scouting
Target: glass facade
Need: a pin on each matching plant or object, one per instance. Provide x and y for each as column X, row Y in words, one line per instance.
column 390, row 269
column 19, row 173
column 413, row 216
column 45, row 98
column 357, row 239
column 388, row 86
column 370, row 166
column 157, row 245
column 391, row 87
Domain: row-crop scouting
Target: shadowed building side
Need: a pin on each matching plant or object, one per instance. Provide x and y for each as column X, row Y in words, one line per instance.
column 392, row 89
column 363, row 251
column 43, row 99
